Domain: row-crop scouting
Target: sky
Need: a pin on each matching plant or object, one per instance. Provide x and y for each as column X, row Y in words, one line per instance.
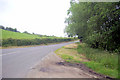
column 44, row 17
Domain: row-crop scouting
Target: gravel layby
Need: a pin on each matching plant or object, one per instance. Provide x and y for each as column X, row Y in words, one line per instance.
column 53, row 66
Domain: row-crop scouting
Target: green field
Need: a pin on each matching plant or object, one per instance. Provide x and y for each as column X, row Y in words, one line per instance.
column 10, row 38
column 15, row 35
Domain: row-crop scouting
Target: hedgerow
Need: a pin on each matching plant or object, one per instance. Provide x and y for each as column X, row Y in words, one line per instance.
column 25, row 42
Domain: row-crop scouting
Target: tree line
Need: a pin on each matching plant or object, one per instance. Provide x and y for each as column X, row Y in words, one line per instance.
column 9, row 28
column 97, row 23
column 24, row 42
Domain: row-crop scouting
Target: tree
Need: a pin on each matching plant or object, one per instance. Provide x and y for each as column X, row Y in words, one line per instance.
column 2, row 27
column 97, row 23
column 26, row 32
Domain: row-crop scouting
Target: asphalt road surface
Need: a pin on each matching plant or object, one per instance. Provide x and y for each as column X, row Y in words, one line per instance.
column 17, row 62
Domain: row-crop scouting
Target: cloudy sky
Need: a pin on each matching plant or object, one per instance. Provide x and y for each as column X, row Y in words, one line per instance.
column 39, row 16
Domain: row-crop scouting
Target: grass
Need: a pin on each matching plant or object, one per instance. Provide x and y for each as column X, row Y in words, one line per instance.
column 67, row 57
column 100, row 68
column 10, row 38
column 70, row 54
column 100, row 61
column 15, row 35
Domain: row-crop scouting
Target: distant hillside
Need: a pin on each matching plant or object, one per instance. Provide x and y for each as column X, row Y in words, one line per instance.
column 16, row 35
column 10, row 38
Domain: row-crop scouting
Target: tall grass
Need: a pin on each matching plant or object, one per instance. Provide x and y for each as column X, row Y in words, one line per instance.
column 105, row 60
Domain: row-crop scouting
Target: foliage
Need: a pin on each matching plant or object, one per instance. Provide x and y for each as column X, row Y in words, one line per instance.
column 26, row 32
column 100, row 61
column 21, row 39
column 97, row 23
column 8, row 28
column 2, row 27
column 37, row 41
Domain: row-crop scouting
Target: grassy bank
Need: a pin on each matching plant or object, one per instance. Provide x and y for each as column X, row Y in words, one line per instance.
column 10, row 38
column 69, row 54
column 16, row 35
column 100, row 61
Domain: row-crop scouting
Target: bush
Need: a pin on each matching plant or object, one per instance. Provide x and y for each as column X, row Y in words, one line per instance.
column 24, row 42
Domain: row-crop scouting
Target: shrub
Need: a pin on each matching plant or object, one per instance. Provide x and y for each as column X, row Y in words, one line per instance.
column 37, row 41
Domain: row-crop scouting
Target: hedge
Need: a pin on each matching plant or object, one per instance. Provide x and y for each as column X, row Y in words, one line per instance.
column 25, row 42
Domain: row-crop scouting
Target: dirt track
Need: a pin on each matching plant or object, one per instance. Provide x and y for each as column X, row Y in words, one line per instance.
column 51, row 67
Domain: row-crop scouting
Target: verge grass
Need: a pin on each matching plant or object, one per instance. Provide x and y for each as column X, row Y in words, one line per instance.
column 69, row 54
column 100, row 61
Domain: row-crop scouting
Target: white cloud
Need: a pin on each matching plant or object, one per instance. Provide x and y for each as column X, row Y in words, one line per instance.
column 38, row 16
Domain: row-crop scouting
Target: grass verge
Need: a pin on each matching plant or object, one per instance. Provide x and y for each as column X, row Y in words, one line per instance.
column 69, row 54
column 100, row 61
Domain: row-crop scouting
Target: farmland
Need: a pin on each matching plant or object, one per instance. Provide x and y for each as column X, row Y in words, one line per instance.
column 10, row 38
column 16, row 35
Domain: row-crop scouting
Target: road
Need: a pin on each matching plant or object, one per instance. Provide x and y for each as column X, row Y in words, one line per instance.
column 17, row 62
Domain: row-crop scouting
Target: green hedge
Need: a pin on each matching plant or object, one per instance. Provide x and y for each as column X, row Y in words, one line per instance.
column 24, row 42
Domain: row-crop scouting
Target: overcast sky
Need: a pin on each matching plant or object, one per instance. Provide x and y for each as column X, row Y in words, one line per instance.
column 39, row 16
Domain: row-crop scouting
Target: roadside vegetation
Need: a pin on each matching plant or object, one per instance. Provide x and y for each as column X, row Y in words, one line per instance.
column 97, row 25
column 69, row 53
column 10, row 38
column 98, row 60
